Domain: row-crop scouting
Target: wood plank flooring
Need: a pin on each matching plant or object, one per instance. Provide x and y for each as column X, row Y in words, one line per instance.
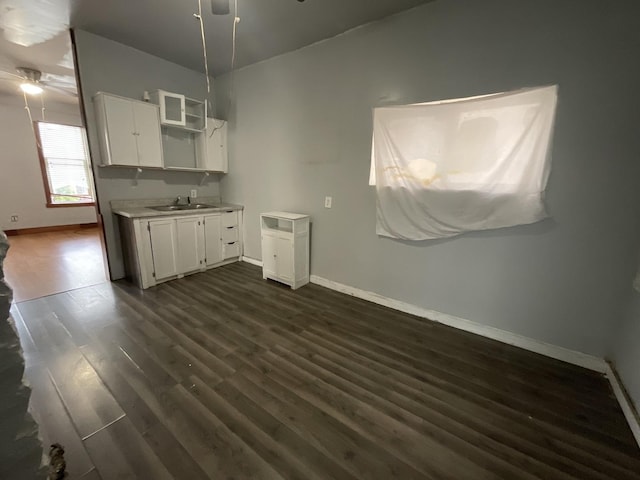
column 223, row 375
column 40, row 264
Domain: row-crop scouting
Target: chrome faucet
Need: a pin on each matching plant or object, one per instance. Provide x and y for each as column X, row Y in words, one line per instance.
column 178, row 200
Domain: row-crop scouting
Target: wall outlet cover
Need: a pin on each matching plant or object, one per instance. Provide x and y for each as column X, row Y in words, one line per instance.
column 194, row 193
column 14, row 218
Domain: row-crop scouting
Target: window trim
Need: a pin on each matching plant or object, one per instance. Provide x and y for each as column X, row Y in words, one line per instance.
column 45, row 176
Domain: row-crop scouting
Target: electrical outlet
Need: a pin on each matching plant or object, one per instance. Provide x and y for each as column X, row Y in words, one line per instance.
column 194, row 193
column 327, row 202
column 14, row 218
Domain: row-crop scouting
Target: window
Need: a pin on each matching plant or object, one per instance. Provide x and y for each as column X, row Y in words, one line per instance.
column 449, row 167
column 65, row 165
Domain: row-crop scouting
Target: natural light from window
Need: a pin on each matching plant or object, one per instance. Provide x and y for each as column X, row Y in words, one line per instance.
column 65, row 163
column 448, row 167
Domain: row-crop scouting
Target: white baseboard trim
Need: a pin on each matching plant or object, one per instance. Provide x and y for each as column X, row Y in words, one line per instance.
column 623, row 400
column 570, row 356
column 584, row 360
column 252, row 261
column 560, row 353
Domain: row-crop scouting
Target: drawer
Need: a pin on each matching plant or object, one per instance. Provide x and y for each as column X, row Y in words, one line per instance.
column 231, row 250
column 229, row 234
column 229, row 219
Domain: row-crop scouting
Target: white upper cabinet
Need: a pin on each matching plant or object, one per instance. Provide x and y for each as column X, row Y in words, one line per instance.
column 179, row 111
column 117, row 131
column 139, row 134
column 195, row 114
column 172, row 107
column 148, row 135
column 212, row 148
column 129, row 131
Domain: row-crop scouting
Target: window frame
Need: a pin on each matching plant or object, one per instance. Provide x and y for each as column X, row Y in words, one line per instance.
column 45, row 175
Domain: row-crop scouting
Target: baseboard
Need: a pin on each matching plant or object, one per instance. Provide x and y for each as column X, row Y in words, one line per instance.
column 570, row 356
column 252, row 261
column 53, row 228
column 628, row 409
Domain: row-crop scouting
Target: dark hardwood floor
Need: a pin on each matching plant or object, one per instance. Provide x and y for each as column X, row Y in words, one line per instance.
column 223, row 375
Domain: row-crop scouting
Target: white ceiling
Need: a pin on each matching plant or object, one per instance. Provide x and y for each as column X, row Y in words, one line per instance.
column 35, row 32
column 35, row 35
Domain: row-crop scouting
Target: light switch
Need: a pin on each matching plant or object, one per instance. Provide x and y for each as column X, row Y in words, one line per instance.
column 327, row 202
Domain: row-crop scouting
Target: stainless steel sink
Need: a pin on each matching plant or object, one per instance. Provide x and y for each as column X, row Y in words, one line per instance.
column 171, row 208
column 167, row 208
column 199, row 205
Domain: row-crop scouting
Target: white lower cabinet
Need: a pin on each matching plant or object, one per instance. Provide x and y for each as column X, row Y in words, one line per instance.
column 277, row 257
column 156, row 250
column 191, row 241
column 213, row 234
column 285, row 247
column 164, row 250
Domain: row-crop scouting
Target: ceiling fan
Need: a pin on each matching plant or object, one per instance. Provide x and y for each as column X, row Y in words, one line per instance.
column 33, row 82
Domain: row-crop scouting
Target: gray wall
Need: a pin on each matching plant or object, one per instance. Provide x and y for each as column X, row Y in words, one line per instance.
column 626, row 349
column 107, row 66
column 300, row 129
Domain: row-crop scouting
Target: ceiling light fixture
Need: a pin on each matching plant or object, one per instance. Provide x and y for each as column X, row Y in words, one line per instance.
column 220, row 7
column 31, row 88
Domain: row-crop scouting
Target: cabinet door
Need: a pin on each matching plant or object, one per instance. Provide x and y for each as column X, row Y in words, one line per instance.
column 121, row 139
column 269, row 255
column 149, row 141
column 216, row 151
column 162, row 234
column 284, row 259
column 190, row 233
column 213, row 241
column 172, row 108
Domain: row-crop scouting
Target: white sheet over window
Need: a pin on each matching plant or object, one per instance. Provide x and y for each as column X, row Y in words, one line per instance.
column 445, row 168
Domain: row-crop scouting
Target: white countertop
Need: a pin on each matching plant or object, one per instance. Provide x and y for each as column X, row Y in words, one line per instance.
column 285, row 215
column 146, row 211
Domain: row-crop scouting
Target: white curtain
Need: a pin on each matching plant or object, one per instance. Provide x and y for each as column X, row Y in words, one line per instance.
column 445, row 168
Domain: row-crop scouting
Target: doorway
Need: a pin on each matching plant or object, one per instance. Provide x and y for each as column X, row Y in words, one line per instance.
column 47, row 199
